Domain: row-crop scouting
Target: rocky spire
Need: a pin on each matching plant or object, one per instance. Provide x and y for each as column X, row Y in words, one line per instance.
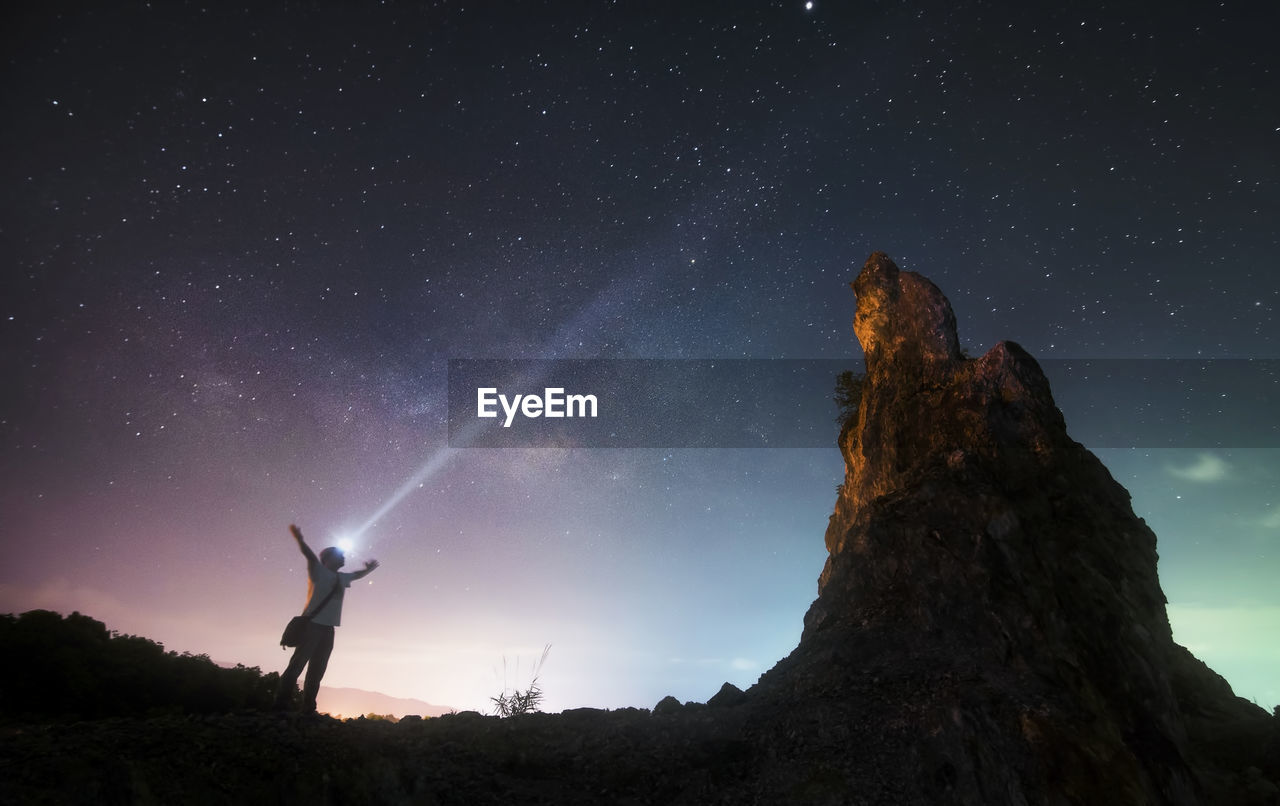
column 990, row 606
column 901, row 315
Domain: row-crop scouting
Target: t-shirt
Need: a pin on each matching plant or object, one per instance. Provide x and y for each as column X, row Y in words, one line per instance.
column 320, row 581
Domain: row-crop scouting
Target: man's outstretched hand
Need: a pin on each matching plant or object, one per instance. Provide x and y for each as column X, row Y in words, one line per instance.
column 296, row 532
column 369, row 566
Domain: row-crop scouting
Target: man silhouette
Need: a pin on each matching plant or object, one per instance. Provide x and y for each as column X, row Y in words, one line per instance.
column 325, row 587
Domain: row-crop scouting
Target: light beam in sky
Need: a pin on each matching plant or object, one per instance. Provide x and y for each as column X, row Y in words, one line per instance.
column 432, row 466
column 592, row 312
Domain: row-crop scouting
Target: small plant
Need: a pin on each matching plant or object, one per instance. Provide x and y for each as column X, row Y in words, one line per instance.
column 848, row 397
column 512, row 702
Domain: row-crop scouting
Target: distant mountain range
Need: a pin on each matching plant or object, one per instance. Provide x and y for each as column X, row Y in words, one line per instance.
column 353, row 702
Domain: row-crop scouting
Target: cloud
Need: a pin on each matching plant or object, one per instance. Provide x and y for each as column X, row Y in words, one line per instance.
column 1205, row 470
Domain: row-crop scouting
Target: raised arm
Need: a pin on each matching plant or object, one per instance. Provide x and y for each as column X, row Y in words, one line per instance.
column 302, row 544
column 368, row 569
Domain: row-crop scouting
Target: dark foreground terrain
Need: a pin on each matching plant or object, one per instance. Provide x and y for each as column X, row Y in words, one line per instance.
column 695, row 754
column 628, row 756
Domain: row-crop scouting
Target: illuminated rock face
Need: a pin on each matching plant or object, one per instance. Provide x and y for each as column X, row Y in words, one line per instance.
column 901, row 314
column 990, row 606
column 924, row 405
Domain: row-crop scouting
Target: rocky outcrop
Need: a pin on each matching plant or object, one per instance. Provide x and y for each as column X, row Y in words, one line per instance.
column 990, row 608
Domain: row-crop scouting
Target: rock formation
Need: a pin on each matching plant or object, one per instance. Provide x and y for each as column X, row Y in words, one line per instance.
column 989, row 626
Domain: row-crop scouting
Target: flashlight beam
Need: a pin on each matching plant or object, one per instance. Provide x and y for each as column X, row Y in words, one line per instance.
column 433, row 465
column 594, row 311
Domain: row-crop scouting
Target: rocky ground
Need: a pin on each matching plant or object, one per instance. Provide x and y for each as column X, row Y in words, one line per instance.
column 586, row 756
column 846, row 741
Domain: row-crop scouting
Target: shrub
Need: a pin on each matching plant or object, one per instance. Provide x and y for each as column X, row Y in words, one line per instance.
column 848, row 397
column 512, row 702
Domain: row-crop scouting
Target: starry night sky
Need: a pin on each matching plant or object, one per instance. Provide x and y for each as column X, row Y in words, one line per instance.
column 241, row 247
